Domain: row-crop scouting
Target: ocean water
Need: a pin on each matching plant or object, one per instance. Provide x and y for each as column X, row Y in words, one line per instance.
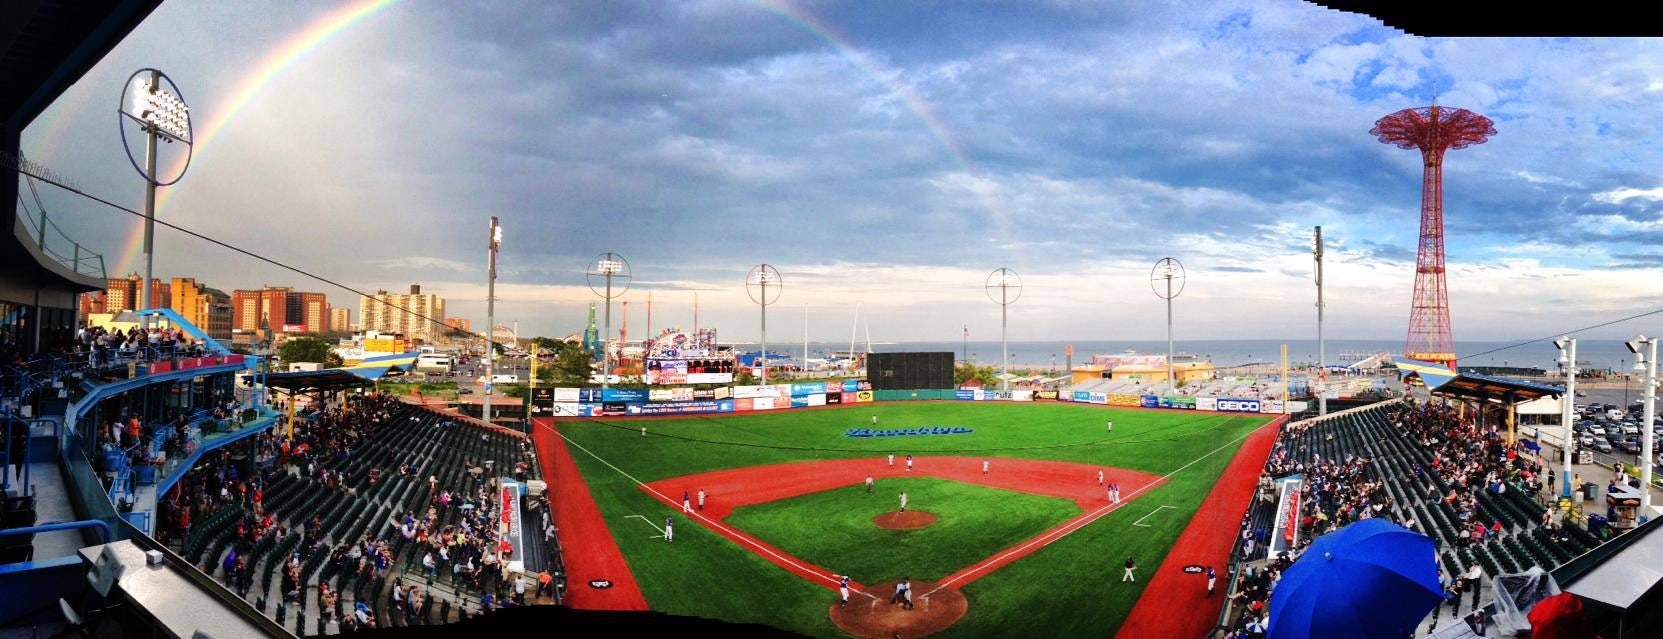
column 1591, row 354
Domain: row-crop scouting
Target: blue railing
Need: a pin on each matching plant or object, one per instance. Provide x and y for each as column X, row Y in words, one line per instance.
column 107, row 533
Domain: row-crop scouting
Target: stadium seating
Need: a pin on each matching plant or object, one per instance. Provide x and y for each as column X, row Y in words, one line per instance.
column 411, row 436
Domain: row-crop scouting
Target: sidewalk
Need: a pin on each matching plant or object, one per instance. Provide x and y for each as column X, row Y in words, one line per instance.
column 1597, row 472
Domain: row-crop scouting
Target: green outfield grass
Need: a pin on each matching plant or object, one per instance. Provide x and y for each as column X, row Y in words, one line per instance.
column 834, row 528
column 1069, row 588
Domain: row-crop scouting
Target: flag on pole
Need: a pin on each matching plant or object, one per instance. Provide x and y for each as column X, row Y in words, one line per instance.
column 967, row 330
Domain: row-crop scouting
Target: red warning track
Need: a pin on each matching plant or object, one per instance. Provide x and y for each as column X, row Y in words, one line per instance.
column 590, row 552
column 1175, row 604
column 727, row 490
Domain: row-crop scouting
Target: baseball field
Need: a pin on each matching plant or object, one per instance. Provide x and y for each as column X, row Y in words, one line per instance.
column 1029, row 544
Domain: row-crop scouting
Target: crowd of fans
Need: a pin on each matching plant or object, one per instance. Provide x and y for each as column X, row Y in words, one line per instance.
column 102, row 345
column 467, row 549
column 1466, row 455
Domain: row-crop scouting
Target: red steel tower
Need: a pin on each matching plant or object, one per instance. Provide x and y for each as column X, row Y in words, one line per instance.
column 1433, row 130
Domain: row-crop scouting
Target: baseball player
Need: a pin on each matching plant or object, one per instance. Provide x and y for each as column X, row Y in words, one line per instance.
column 1099, row 477
column 701, row 499
column 909, row 462
column 900, row 593
column 868, row 484
column 1111, row 426
column 1211, row 578
column 903, row 501
column 686, row 502
column 908, row 582
column 984, row 466
column 643, row 431
column 892, row 460
column 1130, row 566
column 874, row 420
column 843, row 589
column 670, row 530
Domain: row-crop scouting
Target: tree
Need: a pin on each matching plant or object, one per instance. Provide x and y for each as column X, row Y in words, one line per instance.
column 572, row 365
column 309, row 349
column 744, row 378
column 983, row 374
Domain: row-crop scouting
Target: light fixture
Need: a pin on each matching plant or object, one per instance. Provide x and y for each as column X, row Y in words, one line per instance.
column 1560, row 344
column 1635, row 344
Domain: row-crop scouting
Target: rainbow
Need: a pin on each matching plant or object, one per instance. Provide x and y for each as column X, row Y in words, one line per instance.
column 281, row 59
column 908, row 95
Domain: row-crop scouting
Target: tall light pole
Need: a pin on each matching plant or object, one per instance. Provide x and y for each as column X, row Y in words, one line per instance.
column 162, row 116
column 1567, row 363
column 494, row 242
column 757, row 282
column 608, row 267
column 1167, row 272
column 1004, row 287
column 1646, row 359
column 1322, row 352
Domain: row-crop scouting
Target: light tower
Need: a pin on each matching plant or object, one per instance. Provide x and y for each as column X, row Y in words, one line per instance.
column 1434, row 130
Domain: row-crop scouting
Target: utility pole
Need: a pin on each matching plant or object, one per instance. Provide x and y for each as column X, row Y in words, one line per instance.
column 1645, row 351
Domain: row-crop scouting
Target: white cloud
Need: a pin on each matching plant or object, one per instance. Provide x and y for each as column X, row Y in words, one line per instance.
column 1624, row 194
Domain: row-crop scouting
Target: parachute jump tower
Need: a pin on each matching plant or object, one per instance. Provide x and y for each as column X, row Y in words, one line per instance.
column 1433, row 130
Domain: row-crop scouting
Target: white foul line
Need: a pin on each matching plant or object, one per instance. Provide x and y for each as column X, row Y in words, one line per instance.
column 661, row 531
column 1092, row 517
column 708, row 521
column 1157, row 509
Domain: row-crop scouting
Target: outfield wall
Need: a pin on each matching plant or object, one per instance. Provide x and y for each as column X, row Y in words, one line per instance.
column 631, row 402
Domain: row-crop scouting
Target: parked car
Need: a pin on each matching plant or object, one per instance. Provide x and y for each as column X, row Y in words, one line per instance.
column 1603, row 446
column 463, row 390
column 1596, row 430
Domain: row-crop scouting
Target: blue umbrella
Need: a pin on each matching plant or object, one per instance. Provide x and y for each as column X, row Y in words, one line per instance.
column 1372, row 578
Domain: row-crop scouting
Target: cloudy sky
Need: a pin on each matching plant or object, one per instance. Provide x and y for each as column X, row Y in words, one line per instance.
column 890, row 154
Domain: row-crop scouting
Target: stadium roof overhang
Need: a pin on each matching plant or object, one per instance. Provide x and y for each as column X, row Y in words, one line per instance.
column 1473, row 386
column 358, row 375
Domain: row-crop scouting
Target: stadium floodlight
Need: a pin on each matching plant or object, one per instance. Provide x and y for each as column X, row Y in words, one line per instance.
column 493, row 242
column 1645, row 351
column 1567, row 408
column 1009, row 289
column 608, row 267
column 151, row 100
column 1168, row 271
column 757, row 282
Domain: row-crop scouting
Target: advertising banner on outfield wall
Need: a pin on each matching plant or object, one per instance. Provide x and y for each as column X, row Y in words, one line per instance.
column 1181, row 402
column 1270, row 406
column 763, row 403
column 614, row 408
column 570, row 409
column 710, row 378
column 659, row 395
column 751, row 392
column 567, row 395
column 818, row 399
column 965, row 394
column 723, row 406
column 1206, row 403
column 801, row 390
column 743, row 404
column 1149, row 401
column 1082, row 396
column 1123, row 399
column 834, row 398
column 624, row 395
column 1230, row 405
column 1000, row 396
column 1046, row 394
column 1102, row 398
column 863, row 396
column 1022, row 396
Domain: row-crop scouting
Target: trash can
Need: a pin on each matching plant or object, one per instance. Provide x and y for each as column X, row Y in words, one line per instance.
column 1590, row 491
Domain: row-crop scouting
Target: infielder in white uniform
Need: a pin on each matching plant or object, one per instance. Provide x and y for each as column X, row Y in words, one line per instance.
column 984, row 467
column 892, row 460
column 669, row 529
column 903, row 501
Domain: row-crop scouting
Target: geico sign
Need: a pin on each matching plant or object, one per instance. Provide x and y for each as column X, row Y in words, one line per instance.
column 1242, row 405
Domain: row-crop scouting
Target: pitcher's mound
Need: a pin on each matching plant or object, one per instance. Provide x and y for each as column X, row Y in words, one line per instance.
column 879, row 619
column 904, row 521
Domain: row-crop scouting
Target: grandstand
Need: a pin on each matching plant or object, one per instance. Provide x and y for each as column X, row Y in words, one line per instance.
column 444, row 455
column 1412, row 482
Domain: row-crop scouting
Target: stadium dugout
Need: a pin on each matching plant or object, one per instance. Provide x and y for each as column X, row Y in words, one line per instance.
column 1491, row 396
